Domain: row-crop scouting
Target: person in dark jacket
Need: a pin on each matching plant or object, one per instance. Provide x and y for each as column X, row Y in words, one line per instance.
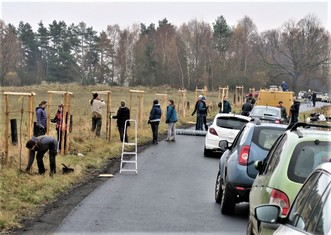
column 41, row 145
column 171, row 119
column 201, row 110
column 41, row 125
column 294, row 111
column 154, row 119
column 246, row 108
column 282, row 110
column 313, row 98
column 226, row 105
column 123, row 114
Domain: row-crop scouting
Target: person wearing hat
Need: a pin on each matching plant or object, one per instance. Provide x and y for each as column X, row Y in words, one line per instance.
column 41, row 124
column 96, row 106
column 201, row 110
column 41, row 145
column 123, row 114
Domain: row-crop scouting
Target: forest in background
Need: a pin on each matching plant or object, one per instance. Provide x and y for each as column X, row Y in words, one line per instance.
column 191, row 55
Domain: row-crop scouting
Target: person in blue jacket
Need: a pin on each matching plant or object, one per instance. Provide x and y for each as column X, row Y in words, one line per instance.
column 41, row 145
column 171, row 119
column 284, row 86
column 154, row 119
column 41, row 125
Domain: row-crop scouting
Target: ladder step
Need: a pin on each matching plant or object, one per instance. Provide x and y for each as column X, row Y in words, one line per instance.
column 130, row 144
column 130, row 161
column 133, row 153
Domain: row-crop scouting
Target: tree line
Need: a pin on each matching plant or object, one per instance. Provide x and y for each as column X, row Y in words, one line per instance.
column 189, row 56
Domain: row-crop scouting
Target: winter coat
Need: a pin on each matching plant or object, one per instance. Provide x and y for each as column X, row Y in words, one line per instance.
column 246, row 108
column 171, row 114
column 123, row 114
column 226, row 107
column 295, row 109
column 96, row 108
column 41, row 117
column 44, row 143
column 155, row 114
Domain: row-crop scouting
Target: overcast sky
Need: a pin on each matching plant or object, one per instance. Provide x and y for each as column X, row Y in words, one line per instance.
column 265, row 14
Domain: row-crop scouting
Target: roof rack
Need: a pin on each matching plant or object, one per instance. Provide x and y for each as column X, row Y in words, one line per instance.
column 295, row 126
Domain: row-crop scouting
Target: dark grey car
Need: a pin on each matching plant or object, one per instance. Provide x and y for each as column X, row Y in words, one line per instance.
column 236, row 167
column 268, row 114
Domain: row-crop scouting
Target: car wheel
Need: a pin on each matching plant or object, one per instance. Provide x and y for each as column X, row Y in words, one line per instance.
column 228, row 203
column 207, row 152
column 218, row 188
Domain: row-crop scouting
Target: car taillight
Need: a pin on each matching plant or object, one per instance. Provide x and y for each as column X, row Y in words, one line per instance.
column 212, row 131
column 281, row 199
column 277, row 121
column 243, row 156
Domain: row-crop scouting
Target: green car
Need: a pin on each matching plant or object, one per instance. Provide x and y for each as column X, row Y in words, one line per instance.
column 295, row 154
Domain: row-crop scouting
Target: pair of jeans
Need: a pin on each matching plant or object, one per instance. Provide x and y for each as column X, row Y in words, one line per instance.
column 200, row 121
column 171, row 131
column 155, row 130
column 96, row 125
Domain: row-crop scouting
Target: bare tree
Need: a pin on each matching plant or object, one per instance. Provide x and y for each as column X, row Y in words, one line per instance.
column 296, row 49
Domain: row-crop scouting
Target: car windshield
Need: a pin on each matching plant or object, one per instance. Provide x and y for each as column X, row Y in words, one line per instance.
column 230, row 122
column 265, row 136
column 306, row 157
column 262, row 111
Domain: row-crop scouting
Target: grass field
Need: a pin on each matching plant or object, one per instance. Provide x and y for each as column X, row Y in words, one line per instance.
column 23, row 195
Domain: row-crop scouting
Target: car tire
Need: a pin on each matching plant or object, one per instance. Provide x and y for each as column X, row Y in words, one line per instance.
column 228, row 202
column 218, row 188
column 207, row 152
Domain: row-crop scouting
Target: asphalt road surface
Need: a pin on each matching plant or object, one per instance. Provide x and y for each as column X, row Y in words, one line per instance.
column 173, row 193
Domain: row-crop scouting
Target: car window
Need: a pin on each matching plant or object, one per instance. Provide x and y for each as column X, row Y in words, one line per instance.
column 265, row 112
column 265, row 136
column 239, row 136
column 230, row 122
column 274, row 155
column 306, row 157
column 306, row 210
column 324, row 223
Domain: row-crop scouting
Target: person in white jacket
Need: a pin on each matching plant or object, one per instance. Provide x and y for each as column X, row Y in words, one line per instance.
column 96, row 106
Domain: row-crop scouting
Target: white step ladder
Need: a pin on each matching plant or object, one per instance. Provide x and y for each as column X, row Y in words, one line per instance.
column 128, row 154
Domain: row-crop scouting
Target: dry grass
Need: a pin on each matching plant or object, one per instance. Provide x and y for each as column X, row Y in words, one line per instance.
column 22, row 195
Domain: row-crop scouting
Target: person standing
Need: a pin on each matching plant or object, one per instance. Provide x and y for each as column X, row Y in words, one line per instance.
column 41, row 125
column 123, row 114
column 246, row 108
column 282, row 110
column 58, row 119
column 171, row 119
column 284, row 86
column 313, row 98
column 226, row 105
column 96, row 106
column 154, row 119
column 294, row 111
column 200, row 109
column 41, row 145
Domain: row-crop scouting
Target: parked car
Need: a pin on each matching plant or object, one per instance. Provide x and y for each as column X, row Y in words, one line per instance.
column 303, row 95
column 268, row 114
column 225, row 126
column 236, row 169
column 296, row 153
column 319, row 95
column 310, row 212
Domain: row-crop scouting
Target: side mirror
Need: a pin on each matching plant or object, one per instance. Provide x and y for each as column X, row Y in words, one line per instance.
column 223, row 144
column 267, row 213
column 258, row 165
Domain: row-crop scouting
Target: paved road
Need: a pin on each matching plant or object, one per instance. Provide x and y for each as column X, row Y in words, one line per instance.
column 172, row 194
